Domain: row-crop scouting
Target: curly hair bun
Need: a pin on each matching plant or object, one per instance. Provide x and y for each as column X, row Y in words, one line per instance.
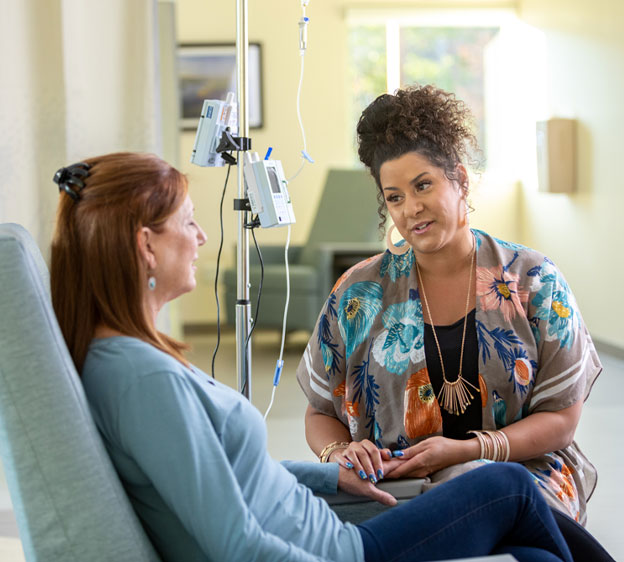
column 424, row 119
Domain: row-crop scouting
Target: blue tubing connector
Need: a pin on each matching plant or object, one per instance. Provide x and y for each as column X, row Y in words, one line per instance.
column 278, row 372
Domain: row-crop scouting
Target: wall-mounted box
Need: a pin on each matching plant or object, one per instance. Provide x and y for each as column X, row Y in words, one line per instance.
column 556, row 155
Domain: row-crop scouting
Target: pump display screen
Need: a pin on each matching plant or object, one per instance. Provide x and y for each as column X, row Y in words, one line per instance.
column 275, row 186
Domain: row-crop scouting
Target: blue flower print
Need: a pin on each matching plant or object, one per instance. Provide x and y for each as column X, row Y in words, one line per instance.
column 365, row 387
column 324, row 337
column 478, row 234
column 499, row 408
column 555, row 306
column 510, row 353
column 359, row 305
column 403, row 339
column 395, row 266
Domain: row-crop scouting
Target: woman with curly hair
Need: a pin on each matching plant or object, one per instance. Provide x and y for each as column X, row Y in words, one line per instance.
column 452, row 348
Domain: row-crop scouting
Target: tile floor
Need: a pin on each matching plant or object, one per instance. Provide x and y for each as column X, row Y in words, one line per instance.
column 599, row 434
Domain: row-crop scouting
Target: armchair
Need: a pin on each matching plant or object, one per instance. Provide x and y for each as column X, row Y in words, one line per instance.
column 69, row 503
column 344, row 231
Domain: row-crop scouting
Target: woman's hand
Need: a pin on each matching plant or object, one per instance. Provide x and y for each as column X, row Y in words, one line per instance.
column 364, row 458
column 432, row 454
column 350, row 482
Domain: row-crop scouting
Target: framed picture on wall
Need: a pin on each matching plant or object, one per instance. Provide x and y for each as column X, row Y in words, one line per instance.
column 208, row 71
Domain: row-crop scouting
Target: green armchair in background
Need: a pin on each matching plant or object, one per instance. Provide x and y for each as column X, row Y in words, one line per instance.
column 344, row 231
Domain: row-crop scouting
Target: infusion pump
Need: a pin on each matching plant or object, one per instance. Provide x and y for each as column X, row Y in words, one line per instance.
column 267, row 191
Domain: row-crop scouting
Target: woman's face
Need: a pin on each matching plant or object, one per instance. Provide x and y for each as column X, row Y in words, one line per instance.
column 428, row 209
column 175, row 250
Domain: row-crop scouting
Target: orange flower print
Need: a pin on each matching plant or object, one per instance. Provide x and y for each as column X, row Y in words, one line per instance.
column 422, row 412
column 562, row 484
column 498, row 289
column 353, row 408
column 483, row 390
column 522, row 371
column 566, row 484
column 340, row 390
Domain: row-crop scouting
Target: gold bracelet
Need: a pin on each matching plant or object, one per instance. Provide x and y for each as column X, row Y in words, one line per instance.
column 329, row 449
column 494, row 445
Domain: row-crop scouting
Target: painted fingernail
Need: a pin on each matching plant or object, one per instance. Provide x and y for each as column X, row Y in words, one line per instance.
column 397, row 453
column 372, row 478
column 348, row 464
column 362, row 474
column 380, row 474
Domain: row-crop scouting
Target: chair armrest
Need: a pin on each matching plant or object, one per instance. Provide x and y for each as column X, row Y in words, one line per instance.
column 405, row 488
column 333, row 259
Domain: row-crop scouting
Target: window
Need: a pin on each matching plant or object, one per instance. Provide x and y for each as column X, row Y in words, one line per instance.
column 446, row 51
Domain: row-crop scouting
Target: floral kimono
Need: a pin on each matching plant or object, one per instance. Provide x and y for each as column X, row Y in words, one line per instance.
column 365, row 364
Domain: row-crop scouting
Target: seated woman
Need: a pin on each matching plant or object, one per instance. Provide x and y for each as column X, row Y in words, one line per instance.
column 190, row 451
column 452, row 346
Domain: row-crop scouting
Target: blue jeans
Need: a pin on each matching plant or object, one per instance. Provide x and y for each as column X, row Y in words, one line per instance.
column 490, row 510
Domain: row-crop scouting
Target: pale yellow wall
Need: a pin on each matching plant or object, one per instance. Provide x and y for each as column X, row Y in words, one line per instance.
column 324, row 109
column 584, row 233
column 273, row 23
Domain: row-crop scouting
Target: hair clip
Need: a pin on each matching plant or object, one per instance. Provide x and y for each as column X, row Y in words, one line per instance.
column 72, row 175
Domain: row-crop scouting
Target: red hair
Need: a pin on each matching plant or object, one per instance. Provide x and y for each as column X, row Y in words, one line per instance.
column 97, row 275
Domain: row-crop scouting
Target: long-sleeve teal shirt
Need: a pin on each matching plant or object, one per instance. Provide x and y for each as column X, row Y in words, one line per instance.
column 191, row 453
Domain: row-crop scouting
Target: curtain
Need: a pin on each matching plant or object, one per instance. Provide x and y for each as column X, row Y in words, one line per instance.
column 81, row 78
column 78, row 78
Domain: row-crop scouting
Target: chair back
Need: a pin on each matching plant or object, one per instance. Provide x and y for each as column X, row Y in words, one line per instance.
column 69, row 503
column 347, row 211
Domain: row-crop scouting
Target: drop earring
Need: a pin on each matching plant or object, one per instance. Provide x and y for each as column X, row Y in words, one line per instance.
column 393, row 248
column 151, row 283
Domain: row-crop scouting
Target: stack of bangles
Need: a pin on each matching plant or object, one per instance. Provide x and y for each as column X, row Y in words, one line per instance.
column 494, row 445
column 329, row 449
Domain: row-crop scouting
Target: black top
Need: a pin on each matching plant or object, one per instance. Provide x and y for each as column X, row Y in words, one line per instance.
column 450, row 338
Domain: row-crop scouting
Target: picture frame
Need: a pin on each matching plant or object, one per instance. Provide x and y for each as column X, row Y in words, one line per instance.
column 208, row 71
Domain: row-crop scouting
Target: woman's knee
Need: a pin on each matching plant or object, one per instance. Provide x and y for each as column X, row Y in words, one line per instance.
column 508, row 477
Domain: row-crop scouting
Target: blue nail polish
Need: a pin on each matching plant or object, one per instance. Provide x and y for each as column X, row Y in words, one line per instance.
column 372, row 478
column 348, row 464
column 362, row 474
column 380, row 474
column 398, row 453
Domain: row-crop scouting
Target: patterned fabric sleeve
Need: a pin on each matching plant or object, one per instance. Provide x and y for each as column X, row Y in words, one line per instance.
column 568, row 362
column 322, row 369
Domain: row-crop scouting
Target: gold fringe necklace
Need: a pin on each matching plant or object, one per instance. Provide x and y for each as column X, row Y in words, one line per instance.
column 454, row 396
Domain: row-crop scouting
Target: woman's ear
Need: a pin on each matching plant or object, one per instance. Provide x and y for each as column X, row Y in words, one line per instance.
column 463, row 180
column 145, row 239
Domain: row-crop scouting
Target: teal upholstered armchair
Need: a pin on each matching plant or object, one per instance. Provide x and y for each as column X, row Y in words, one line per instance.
column 69, row 503
column 344, row 231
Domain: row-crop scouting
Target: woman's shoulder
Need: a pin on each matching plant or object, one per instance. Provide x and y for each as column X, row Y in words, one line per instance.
column 511, row 255
column 381, row 268
column 128, row 359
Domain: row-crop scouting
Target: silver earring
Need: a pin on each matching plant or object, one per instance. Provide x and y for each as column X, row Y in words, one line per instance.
column 393, row 248
column 151, row 283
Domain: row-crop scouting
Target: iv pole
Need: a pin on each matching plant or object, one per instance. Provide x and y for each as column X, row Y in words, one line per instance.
column 243, row 304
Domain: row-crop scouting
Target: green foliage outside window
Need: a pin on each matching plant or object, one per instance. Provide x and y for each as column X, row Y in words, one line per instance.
column 367, row 68
column 451, row 58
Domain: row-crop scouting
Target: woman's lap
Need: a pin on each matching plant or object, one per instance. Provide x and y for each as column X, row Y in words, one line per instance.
column 467, row 516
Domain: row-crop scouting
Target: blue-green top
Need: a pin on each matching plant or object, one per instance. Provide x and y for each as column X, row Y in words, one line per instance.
column 191, row 453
